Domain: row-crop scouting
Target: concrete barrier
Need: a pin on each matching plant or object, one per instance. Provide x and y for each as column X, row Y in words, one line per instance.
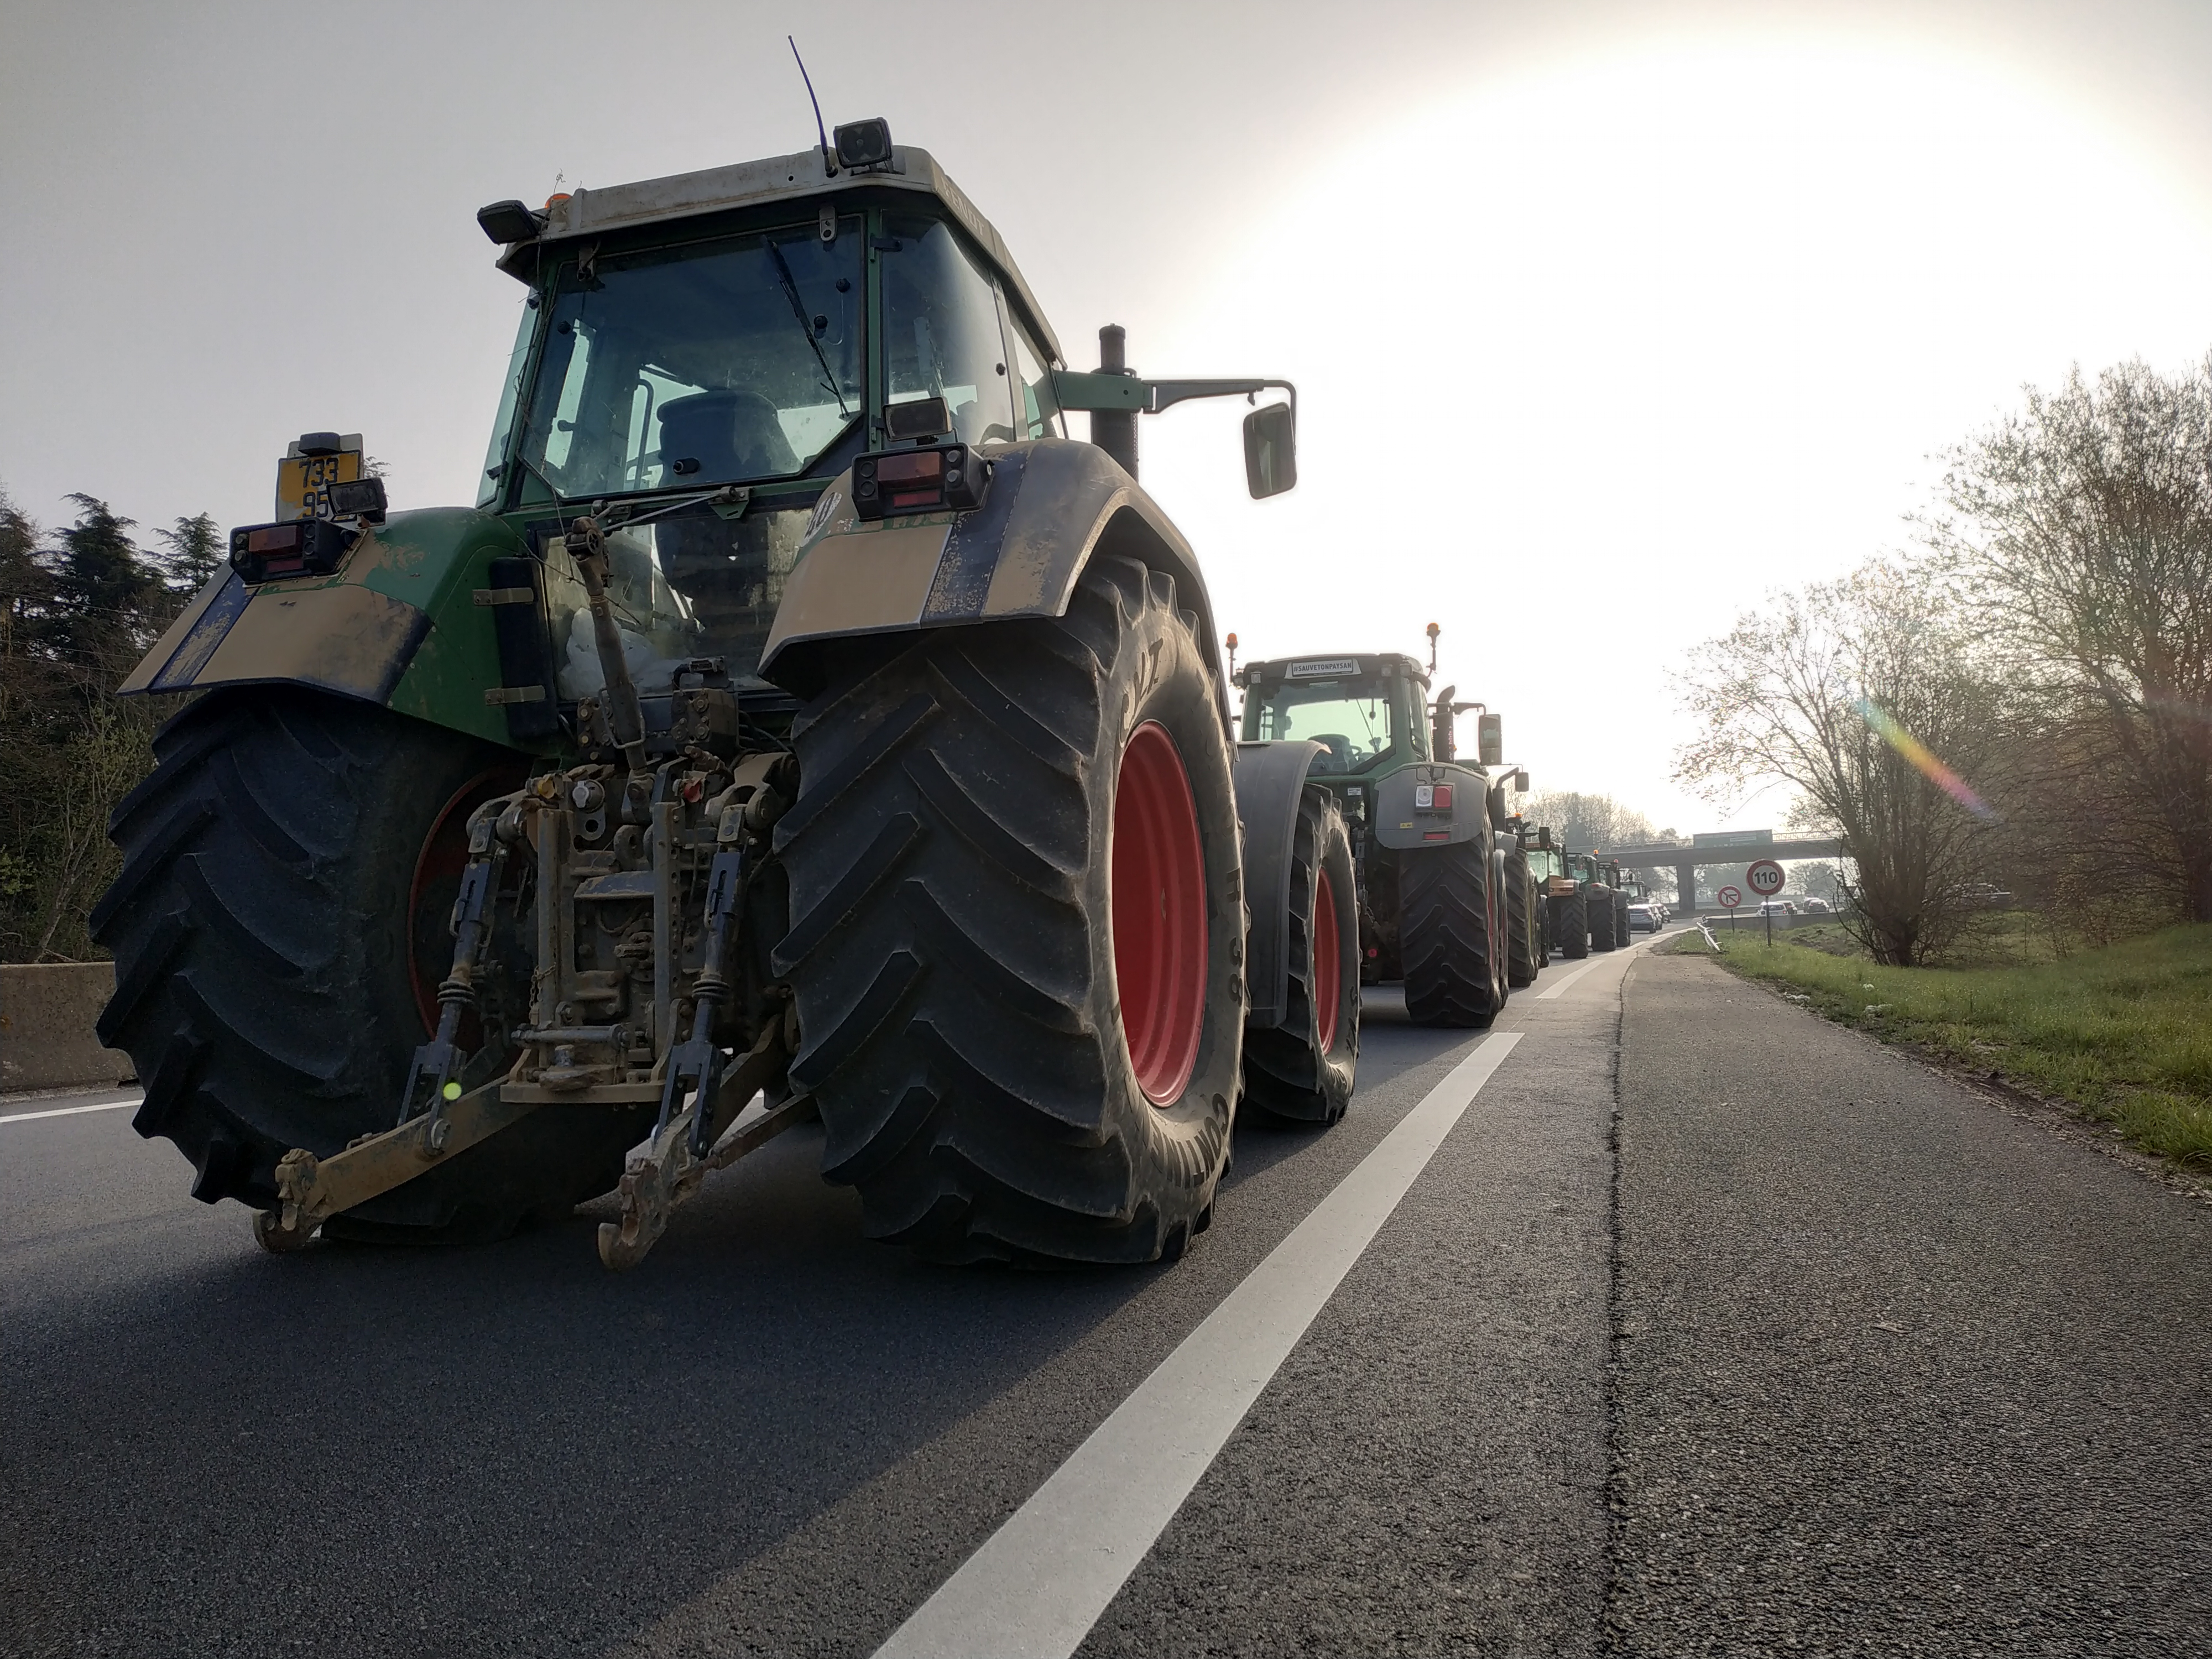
column 46, row 1015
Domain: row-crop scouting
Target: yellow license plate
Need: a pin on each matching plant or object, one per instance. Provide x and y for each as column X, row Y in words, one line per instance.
column 303, row 483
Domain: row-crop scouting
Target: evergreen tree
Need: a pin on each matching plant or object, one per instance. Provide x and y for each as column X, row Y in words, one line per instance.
column 195, row 553
column 106, row 597
column 25, row 587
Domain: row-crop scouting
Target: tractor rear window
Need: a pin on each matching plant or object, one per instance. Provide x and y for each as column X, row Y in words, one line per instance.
column 1353, row 725
column 941, row 335
column 716, row 362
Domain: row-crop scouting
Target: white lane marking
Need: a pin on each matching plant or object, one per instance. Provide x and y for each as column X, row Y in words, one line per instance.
column 1551, row 991
column 1038, row 1584
column 69, row 1111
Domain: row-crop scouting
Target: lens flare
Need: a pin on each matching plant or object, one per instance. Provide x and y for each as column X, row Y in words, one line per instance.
column 1921, row 758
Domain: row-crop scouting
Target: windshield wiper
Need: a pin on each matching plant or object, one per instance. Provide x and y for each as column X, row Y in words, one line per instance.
column 805, row 324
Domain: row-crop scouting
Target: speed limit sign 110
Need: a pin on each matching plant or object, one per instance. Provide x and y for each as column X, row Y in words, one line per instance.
column 1765, row 878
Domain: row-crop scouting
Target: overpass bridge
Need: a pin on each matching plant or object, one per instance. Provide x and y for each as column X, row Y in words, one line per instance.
column 1686, row 860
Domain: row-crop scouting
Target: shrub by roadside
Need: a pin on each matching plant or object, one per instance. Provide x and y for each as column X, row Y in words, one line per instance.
column 2124, row 1033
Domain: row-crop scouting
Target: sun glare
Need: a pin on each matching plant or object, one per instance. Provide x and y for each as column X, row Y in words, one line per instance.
column 1588, row 360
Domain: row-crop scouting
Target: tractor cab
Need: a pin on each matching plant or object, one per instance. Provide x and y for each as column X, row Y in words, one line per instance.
column 741, row 336
column 1585, row 870
column 1368, row 713
column 1546, row 861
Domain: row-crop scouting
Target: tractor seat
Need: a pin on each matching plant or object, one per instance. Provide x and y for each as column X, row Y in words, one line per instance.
column 1341, row 754
column 727, row 434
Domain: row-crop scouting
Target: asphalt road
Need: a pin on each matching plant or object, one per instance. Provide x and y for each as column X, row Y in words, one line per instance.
column 776, row 1438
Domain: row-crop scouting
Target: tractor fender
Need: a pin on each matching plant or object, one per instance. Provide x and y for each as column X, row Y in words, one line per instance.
column 1271, row 778
column 1051, row 506
column 399, row 623
column 1399, row 823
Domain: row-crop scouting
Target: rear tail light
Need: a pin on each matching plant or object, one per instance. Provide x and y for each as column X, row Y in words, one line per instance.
column 933, row 479
column 1432, row 797
column 301, row 547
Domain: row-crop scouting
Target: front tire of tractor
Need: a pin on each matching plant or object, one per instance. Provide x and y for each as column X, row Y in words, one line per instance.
column 1444, row 930
column 1301, row 1071
column 1017, row 928
column 1574, row 926
column 288, row 874
column 1523, row 950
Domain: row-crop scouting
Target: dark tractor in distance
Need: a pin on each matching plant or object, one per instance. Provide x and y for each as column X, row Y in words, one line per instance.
column 1584, row 905
column 1436, row 876
column 1547, row 866
column 1614, row 878
column 799, row 724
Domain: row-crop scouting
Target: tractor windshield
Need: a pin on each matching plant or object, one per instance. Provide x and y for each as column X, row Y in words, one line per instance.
column 718, row 361
column 1351, row 719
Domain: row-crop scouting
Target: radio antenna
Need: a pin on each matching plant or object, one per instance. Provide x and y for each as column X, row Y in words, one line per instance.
column 821, row 133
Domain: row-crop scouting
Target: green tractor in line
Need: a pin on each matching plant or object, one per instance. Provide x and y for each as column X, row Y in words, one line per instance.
column 1446, row 902
column 1586, row 904
column 1544, row 862
column 799, row 724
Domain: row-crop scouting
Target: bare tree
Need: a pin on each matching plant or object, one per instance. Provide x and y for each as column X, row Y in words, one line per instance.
column 1864, row 695
column 2080, row 534
column 1586, row 822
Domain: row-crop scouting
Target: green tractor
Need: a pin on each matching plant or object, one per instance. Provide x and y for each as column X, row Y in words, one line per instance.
column 1546, row 864
column 798, row 724
column 1586, row 906
column 1446, row 900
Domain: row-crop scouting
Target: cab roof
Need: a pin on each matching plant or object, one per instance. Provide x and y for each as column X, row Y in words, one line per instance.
column 775, row 179
column 1359, row 665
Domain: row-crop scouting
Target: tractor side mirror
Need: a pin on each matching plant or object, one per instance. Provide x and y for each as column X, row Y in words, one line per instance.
column 1271, row 451
column 1443, row 742
column 1490, row 739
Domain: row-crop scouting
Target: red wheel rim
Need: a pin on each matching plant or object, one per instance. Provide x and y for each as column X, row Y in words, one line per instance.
column 1328, row 963
column 1160, row 913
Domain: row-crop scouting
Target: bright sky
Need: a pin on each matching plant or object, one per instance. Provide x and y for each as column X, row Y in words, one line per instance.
column 1604, row 317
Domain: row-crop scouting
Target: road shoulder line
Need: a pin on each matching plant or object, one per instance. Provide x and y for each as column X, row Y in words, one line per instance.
column 1551, row 993
column 69, row 1111
column 1040, row 1582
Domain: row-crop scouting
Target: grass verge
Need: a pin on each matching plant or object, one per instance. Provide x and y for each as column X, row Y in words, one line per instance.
column 2123, row 1034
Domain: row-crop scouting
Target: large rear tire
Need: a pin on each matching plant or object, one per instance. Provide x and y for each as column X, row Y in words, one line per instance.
column 279, row 927
column 1523, row 952
column 1445, row 931
column 1017, row 927
column 1574, row 926
column 1599, row 901
column 1301, row 1071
